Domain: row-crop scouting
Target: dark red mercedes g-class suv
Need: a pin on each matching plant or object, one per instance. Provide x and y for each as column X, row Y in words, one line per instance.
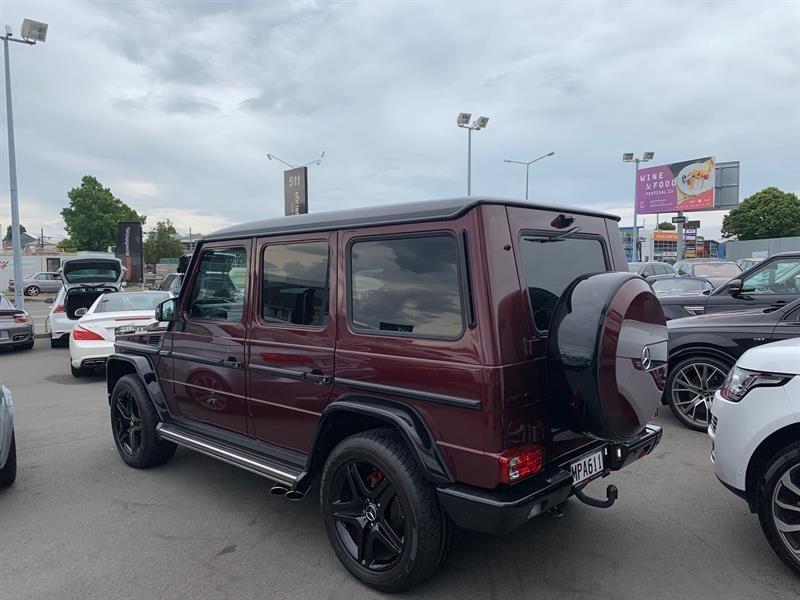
column 470, row 362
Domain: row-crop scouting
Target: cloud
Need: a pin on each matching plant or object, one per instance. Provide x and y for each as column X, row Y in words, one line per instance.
column 189, row 97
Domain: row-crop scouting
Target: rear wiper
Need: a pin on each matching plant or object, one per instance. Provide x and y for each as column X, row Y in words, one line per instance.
column 554, row 238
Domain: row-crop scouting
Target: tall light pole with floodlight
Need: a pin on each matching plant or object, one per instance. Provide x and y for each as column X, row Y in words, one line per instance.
column 628, row 157
column 528, row 167
column 477, row 124
column 30, row 32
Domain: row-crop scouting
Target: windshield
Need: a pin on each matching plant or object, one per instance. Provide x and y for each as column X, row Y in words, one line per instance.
column 551, row 265
column 716, row 269
column 125, row 301
column 673, row 286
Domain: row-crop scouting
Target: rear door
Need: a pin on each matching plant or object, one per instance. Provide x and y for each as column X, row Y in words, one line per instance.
column 774, row 283
column 208, row 340
column 292, row 337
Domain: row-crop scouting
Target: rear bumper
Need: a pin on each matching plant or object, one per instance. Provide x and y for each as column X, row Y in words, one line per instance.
column 505, row 508
column 16, row 335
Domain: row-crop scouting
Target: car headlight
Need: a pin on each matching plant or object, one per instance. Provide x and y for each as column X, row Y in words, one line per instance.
column 740, row 381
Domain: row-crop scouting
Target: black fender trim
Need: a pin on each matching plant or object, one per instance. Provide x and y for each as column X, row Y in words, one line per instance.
column 404, row 418
column 143, row 368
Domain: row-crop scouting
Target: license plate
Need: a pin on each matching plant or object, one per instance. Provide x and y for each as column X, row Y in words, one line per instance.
column 3, row 335
column 587, row 467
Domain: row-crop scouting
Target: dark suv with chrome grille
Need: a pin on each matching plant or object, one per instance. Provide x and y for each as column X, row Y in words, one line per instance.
column 466, row 362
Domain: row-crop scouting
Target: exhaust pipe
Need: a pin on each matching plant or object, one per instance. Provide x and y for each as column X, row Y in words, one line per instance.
column 295, row 495
column 278, row 490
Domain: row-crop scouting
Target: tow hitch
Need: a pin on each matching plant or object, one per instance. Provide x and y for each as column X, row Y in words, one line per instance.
column 612, row 493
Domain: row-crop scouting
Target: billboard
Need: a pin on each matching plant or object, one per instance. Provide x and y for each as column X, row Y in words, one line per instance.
column 129, row 250
column 295, row 191
column 686, row 185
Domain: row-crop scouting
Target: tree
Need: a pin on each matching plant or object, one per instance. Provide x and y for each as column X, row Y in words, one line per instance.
column 93, row 213
column 162, row 242
column 666, row 226
column 770, row 213
column 8, row 232
column 66, row 245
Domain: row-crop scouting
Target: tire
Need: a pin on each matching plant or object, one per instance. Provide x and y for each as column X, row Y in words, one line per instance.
column 690, row 388
column 362, row 472
column 9, row 472
column 130, row 398
column 78, row 372
column 55, row 343
column 59, row 342
column 783, row 468
column 32, row 290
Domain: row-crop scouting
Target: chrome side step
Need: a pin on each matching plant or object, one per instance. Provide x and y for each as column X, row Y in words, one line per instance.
column 243, row 460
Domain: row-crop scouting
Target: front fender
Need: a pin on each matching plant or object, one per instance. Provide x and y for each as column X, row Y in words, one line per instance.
column 118, row 365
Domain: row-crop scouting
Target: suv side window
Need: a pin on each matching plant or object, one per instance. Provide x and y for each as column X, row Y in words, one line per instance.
column 550, row 264
column 778, row 277
column 221, row 285
column 295, row 283
column 408, row 285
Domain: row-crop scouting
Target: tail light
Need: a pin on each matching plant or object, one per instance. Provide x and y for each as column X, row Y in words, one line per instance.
column 59, row 308
column 520, row 463
column 22, row 319
column 80, row 333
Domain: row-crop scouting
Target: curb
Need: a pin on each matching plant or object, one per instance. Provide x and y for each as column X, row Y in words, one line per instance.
column 41, row 336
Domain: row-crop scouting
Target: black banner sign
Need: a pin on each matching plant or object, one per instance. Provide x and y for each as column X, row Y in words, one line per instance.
column 129, row 250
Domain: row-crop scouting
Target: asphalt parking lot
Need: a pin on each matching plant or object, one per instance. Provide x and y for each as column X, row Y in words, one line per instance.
column 78, row 523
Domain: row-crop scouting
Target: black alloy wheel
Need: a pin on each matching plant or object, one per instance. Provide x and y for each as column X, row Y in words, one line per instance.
column 382, row 516
column 127, row 423
column 368, row 515
column 133, row 423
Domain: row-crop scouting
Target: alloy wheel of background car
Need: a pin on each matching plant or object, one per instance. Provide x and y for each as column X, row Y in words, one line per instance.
column 32, row 291
column 127, row 423
column 778, row 498
column 692, row 384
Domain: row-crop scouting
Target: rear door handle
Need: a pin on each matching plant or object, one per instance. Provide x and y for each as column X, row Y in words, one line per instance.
column 317, row 378
column 230, row 362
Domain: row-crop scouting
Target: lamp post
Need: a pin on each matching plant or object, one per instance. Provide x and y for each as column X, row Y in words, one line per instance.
column 31, row 32
column 628, row 157
column 527, row 167
column 316, row 161
column 477, row 124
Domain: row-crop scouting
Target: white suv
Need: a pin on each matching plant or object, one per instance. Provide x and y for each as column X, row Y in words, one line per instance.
column 755, row 440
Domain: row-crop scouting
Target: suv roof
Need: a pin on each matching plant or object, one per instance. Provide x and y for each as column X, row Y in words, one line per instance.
column 389, row 214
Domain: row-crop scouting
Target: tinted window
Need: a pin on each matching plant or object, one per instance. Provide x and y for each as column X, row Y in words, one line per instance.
column 777, row 277
column 551, row 265
column 716, row 270
column 220, row 286
column 674, row 286
column 295, row 285
column 130, row 301
column 407, row 285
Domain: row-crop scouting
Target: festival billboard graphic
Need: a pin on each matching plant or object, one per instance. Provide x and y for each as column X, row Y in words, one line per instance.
column 681, row 186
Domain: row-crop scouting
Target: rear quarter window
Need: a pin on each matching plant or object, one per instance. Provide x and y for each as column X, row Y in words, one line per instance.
column 409, row 286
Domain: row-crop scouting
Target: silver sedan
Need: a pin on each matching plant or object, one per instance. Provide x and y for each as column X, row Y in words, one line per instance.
column 16, row 326
column 8, row 450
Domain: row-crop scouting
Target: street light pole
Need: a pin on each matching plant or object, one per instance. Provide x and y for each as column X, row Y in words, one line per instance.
column 628, row 157
column 16, row 242
column 479, row 123
column 527, row 167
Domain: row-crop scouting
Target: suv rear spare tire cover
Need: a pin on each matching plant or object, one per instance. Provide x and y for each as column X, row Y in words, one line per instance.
column 607, row 355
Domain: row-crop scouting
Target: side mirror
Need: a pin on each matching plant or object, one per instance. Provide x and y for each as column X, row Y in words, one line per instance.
column 735, row 287
column 81, row 311
column 48, row 300
column 167, row 310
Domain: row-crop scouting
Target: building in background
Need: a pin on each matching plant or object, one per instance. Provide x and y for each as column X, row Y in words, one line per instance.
column 661, row 245
column 189, row 242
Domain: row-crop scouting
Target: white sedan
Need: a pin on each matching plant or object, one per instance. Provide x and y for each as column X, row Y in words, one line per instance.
column 92, row 338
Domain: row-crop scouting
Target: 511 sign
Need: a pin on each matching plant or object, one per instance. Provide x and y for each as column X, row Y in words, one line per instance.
column 295, row 191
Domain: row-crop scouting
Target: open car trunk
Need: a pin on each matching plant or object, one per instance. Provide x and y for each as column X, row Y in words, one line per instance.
column 83, row 297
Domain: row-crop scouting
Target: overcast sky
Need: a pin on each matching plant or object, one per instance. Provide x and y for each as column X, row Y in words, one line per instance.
column 175, row 105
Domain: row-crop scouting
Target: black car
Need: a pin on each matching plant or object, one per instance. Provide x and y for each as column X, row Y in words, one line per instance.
column 773, row 282
column 703, row 349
